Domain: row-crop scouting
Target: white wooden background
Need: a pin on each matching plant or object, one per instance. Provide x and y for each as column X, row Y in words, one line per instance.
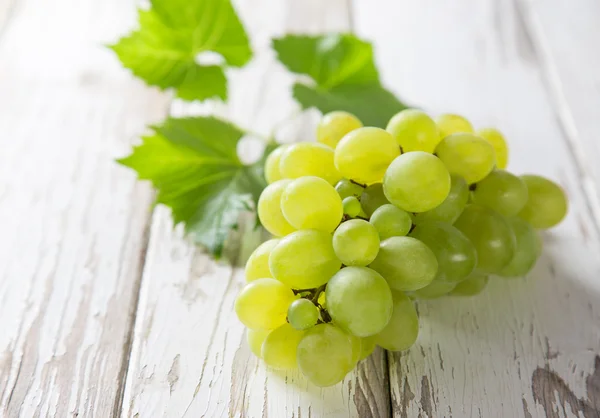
column 106, row 311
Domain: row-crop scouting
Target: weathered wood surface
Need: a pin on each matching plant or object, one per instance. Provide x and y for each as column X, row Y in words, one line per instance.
column 81, row 325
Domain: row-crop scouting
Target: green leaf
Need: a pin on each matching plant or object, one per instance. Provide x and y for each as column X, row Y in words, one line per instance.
column 193, row 164
column 344, row 74
column 172, row 33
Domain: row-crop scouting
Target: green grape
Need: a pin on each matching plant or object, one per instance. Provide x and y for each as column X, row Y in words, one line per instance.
column 467, row 155
column 351, row 206
column 312, row 203
column 269, row 209
column 303, row 314
column 356, row 349
column 334, row 125
column 356, row 242
column 346, row 188
column 449, row 124
column 527, row 249
column 325, row 355
column 255, row 339
column 416, row 182
column 406, row 263
column 263, row 304
column 451, row 208
column 547, row 204
column 434, row 290
column 501, row 191
column 455, row 254
column 309, row 159
column 414, row 130
column 272, row 172
column 279, row 350
column 304, row 259
column 359, row 301
column 368, row 346
column 491, row 236
column 390, row 221
column 473, row 285
column 257, row 266
column 495, row 137
column 402, row 330
column 373, row 197
column 364, row 154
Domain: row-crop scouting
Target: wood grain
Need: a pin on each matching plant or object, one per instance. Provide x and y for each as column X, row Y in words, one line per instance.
column 515, row 349
column 73, row 223
column 190, row 357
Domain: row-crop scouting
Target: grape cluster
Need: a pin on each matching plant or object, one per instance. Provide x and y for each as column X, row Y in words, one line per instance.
column 366, row 220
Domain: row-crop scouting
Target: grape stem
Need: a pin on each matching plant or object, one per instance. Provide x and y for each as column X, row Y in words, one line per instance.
column 364, row 186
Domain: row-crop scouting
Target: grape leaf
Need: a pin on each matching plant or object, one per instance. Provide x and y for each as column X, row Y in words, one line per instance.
column 193, row 164
column 172, row 33
column 344, row 75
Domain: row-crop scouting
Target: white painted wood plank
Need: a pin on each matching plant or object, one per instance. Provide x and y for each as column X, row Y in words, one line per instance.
column 73, row 223
column 190, row 357
column 527, row 347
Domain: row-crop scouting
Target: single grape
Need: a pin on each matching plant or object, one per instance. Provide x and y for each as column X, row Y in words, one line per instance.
column 255, row 339
column 356, row 242
column 495, row 137
column 467, row 155
column 449, row 124
column 257, row 266
column 451, row 208
column 269, row 209
column 309, row 159
column 473, row 285
column 455, row 254
column 263, row 304
column 359, row 301
column 325, row 355
column 402, row 330
column 279, row 350
column 547, row 204
column 491, row 236
column 272, row 172
column 434, row 290
column 367, row 347
column 414, row 130
column 416, row 182
column 406, row 263
column 346, row 188
column 304, row 259
column 351, row 206
column 312, row 203
column 390, row 221
column 334, row 125
column 501, row 191
column 364, row 154
column 527, row 249
column 372, row 198
column 303, row 314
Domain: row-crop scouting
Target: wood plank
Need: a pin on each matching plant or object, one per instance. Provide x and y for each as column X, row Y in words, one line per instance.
column 190, row 357
column 73, row 223
column 527, row 347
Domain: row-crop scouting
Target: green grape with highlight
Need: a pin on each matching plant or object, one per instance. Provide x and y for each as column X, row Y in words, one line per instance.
column 505, row 193
column 309, row 159
column 263, row 304
column 467, row 155
column 257, row 266
column 325, row 355
column 302, row 314
column 269, row 209
column 351, row 206
column 334, row 125
column 356, row 242
column 449, row 124
column 403, row 328
column 364, row 154
column 495, row 137
column 406, row 263
column 373, row 197
column 312, row 203
column 451, row 208
column 279, row 350
column 304, row 259
column 547, row 204
column 390, row 221
column 416, row 182
column 359, row 301
column 414, row 130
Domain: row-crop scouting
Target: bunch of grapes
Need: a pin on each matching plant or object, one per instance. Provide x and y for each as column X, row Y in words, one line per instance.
column 367, row 220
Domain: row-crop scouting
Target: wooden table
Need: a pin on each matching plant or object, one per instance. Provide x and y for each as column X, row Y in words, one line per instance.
column 105, row 310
